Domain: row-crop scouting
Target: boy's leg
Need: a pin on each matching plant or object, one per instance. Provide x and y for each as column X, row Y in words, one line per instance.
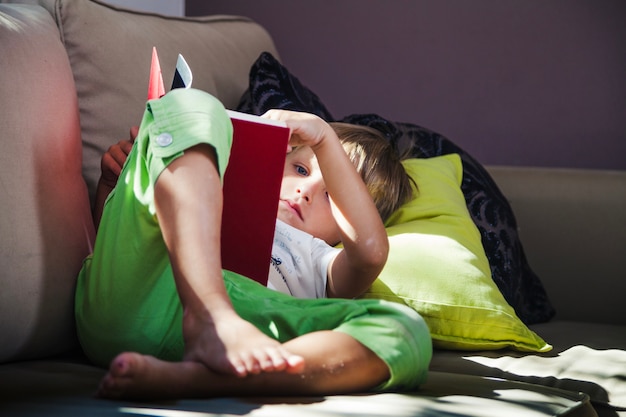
column 346, row 345
column 335, row 363
column 189, row 206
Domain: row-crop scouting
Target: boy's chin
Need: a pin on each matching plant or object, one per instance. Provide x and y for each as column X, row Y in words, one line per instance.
column 289, row 216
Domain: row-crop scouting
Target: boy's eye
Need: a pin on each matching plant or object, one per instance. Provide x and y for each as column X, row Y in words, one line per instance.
column 302, row 170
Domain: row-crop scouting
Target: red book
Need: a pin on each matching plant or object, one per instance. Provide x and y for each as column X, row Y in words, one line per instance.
column 251, row 193
column 251, row 183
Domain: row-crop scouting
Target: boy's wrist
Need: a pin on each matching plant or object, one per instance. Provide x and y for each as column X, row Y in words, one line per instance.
column 328, row 138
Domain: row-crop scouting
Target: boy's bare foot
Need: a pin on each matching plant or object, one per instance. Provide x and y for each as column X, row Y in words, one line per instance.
column 336, row 363
column 142, row 377
column 231, row 345
column 135, row 376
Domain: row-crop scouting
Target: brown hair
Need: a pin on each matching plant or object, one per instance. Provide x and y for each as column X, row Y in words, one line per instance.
column 379, row 165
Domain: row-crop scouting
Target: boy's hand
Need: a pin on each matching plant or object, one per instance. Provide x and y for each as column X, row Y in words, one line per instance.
column 306, row 129
column 114, row 158
column 110, row 168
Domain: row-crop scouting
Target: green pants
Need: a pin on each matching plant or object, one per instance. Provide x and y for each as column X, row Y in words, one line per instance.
column 126, row 298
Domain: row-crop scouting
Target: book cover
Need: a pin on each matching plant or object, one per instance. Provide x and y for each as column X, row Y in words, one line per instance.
column 251, row 182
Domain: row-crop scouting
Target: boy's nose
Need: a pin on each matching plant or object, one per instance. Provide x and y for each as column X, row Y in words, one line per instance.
column 308, row 190
column 304, row 194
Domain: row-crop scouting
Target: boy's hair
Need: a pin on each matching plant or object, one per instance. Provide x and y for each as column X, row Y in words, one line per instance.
column 379, row 164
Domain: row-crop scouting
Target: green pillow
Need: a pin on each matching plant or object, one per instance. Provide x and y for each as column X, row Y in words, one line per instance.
column 437, row 266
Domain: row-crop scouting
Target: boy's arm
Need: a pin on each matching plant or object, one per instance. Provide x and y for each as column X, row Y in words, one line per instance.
column 364, row 239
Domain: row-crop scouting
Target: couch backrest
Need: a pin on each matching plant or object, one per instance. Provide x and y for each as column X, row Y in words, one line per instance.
column 110, row 50
column 572, row 223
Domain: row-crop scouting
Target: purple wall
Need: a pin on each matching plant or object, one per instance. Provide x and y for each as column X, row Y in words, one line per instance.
column 540, row 83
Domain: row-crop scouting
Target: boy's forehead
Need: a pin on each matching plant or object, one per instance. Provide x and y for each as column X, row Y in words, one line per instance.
column 302, row 152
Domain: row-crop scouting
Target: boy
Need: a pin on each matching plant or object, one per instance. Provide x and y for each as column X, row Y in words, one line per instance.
column 155, row 285
column 380, row 168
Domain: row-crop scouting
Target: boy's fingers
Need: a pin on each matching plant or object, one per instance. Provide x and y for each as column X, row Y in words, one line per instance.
column 126, row 146
column 120, row 153
column 109, row 163
column 134, row 131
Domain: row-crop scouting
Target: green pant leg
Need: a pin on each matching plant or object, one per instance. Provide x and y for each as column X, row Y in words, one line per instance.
column 126, row 297
column 395, row 333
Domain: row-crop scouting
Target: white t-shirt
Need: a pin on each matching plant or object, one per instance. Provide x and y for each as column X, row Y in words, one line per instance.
column 299, row 263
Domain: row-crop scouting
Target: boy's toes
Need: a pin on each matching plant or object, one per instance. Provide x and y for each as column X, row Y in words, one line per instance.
column 121, row 371
column 239, row 367
column 127, row 364
column 108, row 388
column 295, row 364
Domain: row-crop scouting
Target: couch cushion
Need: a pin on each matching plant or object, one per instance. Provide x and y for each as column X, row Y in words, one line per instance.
column 66, row 388
column 45, row 226
column 110, row 51
column 587, row 357
column 272, row 86
column 438, row 266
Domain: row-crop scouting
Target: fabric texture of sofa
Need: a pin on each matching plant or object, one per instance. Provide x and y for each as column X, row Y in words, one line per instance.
column 74, row 79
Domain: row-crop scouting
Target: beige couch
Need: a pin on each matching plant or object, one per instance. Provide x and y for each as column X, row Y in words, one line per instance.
column 73, row 80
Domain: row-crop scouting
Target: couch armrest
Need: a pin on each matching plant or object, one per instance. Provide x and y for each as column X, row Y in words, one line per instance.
column 46, row 229
column 572, row 223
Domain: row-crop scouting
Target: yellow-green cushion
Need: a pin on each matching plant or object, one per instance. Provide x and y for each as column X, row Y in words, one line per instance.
column 437, row 265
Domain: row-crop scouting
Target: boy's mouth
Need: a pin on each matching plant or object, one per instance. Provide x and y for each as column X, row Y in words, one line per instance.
column 294, row 207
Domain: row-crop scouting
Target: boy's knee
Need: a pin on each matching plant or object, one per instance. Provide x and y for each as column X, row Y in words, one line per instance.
column 404, row 344
column 188, row 117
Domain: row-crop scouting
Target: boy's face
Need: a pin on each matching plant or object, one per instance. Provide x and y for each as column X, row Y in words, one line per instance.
column 304, row 203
